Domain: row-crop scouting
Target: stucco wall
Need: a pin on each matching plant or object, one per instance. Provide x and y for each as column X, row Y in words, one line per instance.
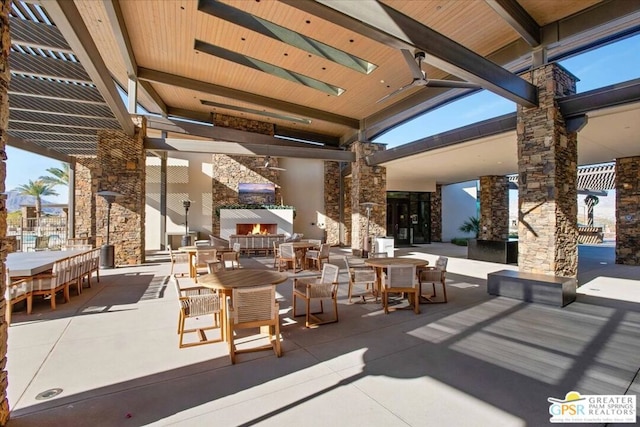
column 458, row 204
column 303, row 187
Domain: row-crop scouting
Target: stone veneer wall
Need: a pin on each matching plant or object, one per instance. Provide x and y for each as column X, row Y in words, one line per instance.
column 229, row 171
column 547, row 165
column 494, row 208
column 368, row 184
column 346, row 211
column 332, row 202
column 87, row 171
column 5, row 8
column 243, row 124
column 436, row 214
column 628, row 210
column 122, row 161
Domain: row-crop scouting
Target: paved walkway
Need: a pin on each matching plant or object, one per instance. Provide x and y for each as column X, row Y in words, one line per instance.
column 479, row 360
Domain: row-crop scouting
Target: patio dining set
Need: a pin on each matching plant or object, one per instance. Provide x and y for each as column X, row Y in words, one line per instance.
column 240, row 298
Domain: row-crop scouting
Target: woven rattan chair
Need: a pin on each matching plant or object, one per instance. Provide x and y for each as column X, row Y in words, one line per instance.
column 253, row 307
column 361, row 275
column 231, row 260
column 433, row 275
column 401, row 279
column 49, row 284
column 204, row 255
column 16, row 291
column 178, row 259
column 287, row 255
column 196, row 301
column 319, row 289
column 316, row 257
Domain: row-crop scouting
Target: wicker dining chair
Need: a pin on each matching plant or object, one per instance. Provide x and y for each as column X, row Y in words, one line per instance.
column 16, row 291
column 287, row 255
column 196, row 301
column 178, row 259
column 253, row 307
column 401, row 279
column 318, row 289
column 361, row 275
column 204, row 255
column 434, row 274
column 316, row 256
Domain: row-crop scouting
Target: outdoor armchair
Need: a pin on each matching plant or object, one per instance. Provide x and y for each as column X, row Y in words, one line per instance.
column 318, row 289
column 361, row 275
column 401, row 279
column 196, row 301
column 433, row 275
column 253, row 307
column 316, row 257
column 16, row 291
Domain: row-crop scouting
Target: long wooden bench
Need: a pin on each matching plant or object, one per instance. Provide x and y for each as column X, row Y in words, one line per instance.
column 530, row 287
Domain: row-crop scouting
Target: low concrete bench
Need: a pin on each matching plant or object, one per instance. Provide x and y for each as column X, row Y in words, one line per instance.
column 540, row 288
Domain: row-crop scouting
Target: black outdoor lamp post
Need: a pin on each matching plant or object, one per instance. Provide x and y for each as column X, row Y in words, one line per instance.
column 107, row 250
column 186, row 239
column 367, row 242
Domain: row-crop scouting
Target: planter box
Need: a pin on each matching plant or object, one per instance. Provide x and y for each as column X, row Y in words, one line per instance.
column 540, row 288
column 500, row 251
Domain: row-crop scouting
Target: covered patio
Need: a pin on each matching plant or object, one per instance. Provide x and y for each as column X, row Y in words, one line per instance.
column 112, row 355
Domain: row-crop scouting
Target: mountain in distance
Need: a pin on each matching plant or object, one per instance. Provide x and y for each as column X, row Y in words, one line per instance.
column 15, row 200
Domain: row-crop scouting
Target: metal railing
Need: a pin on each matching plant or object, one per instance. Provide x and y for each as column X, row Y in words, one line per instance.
column 50, row 233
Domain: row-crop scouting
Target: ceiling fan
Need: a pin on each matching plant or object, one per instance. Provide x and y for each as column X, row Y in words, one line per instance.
column 267, row 165
column 420, row 77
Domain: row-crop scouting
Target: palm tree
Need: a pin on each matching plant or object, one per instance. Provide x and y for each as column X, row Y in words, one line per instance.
column 37, row 189
column 472, row 225
column 60, row 176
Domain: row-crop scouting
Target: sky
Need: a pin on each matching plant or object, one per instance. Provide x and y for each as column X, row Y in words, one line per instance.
column 614, row 63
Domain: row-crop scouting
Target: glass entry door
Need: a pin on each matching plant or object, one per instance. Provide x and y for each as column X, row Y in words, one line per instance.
column 398, row 221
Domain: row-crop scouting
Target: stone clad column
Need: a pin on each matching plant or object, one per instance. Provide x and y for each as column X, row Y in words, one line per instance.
column 628, row 210
column 547, row 165
column 332, row 193
column 122, row 161
column 436, row 214
column 494, row 208
column 5, row 8
column 368, row 184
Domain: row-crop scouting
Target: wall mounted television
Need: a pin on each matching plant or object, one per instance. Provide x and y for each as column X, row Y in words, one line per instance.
column 257, row 193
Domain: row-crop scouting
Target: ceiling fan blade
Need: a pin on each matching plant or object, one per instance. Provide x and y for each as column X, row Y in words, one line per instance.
column 414, row 67
column 397, row 91
column 452, row 84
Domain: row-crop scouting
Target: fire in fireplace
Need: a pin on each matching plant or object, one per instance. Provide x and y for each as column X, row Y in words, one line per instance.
column 247, row 229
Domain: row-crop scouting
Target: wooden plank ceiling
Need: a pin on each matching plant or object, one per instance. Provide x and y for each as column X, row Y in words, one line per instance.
column 297, row 64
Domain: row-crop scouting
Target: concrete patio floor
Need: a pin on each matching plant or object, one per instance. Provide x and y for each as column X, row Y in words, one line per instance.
column 112, row 354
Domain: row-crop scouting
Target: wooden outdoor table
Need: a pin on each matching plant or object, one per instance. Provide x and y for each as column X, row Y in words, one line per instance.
column 381, row 263
column 226, row 281
column 23, row 264
column 193, row 250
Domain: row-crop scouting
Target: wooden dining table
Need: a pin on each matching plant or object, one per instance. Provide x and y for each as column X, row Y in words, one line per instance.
column 24, row 264
column 381, row 263
column 226, row 280
column 192, row 252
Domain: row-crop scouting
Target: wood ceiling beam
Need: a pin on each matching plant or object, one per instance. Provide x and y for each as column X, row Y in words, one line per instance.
column 233, row 148
column 518, row 18
column 386, row 25
column 219, row 133
column 72, row 27
column 119, row 29
column 156, row 76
